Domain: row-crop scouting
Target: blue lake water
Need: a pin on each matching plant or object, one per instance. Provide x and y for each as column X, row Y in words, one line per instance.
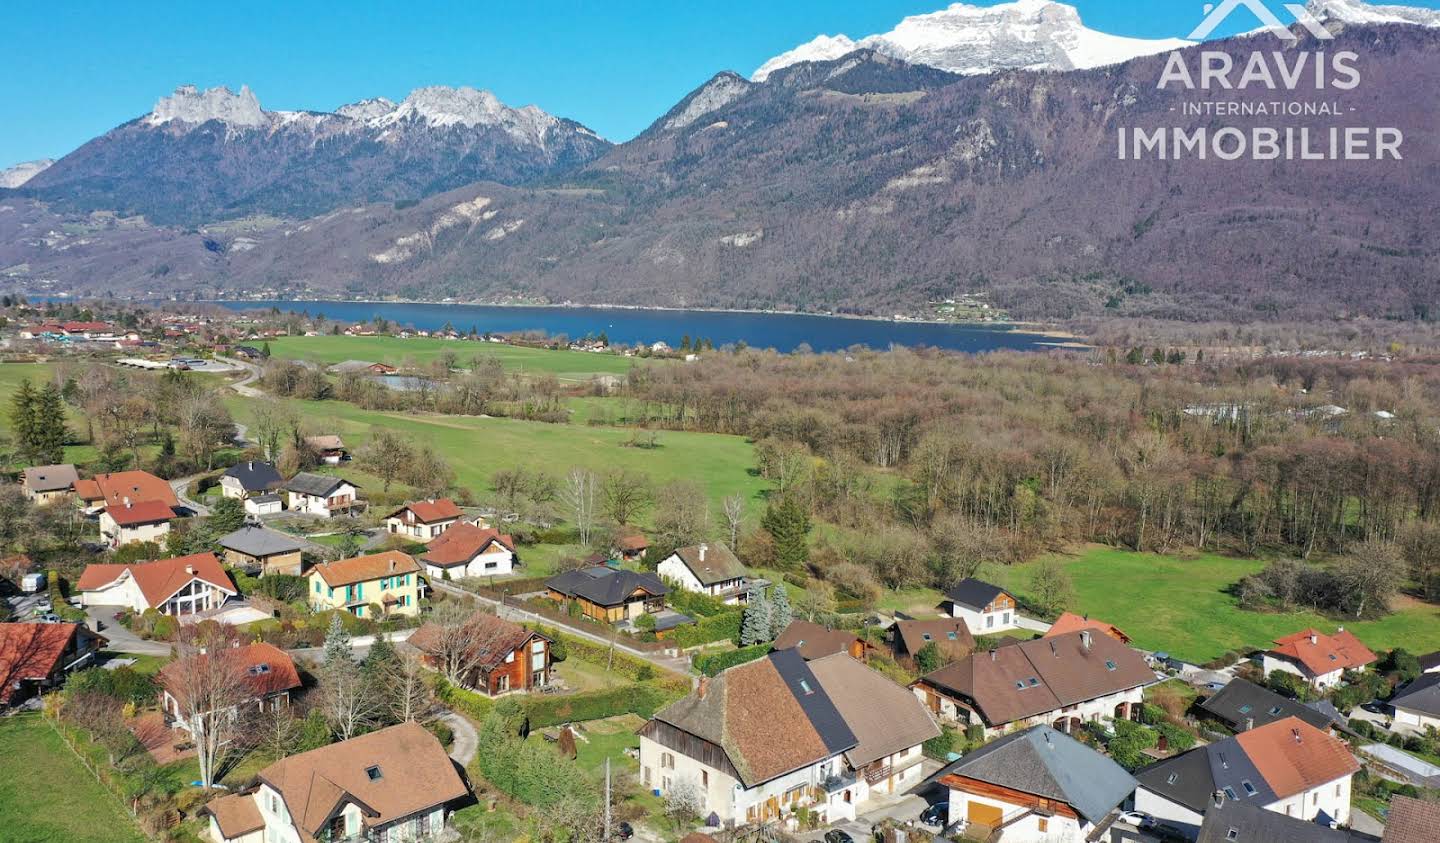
column 781, row 331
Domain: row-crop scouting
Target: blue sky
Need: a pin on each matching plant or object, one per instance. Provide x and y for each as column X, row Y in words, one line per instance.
column 72, row 70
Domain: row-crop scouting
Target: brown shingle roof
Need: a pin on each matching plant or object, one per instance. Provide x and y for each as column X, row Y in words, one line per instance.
column 1033, row 677
column 711, row 563
column 236, row 814
column 414, row 774
column 813, row 640
column 951, row 635
column 494, row 638
column 366, row 568
column 50, row 478
column 885, row 717
column 462, row 542
column 1412, row 821
column 1294, row 756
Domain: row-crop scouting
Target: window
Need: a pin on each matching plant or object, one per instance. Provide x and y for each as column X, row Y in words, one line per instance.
column 1337, row 788
column 510, row 657
column 1315, row 798
column 805, row 686
column 1245, row 709
column 1019, row 686
column 989, row 620
column 1110, row 664
column 317, row 586
column 1233, row 833
column 951, row 636
column 537, row 647
column 374, row 774
column 667, row 761
column 1034, row 682
column 258, row 669
column 1007, row 617
column 926, row 636
column 1274, row 711
column 1174, row 777
column 704, row 778
column 1230, row 792
column 1249, row 788
column 1043, row 825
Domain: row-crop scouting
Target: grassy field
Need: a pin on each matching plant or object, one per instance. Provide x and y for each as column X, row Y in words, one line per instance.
column 477, row 447
column 1180, row 605
column 566, row 365
column 47, row 796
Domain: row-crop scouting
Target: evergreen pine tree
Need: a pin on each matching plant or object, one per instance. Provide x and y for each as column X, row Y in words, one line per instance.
column 265, row 350
column 23, row 421
column 337, row 644
column 755, row 624
column 780, row 612
column 788, row 524
column 50, row 432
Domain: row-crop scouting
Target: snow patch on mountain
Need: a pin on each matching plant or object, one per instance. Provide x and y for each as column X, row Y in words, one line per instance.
column 719, row 92
column 193, row 106
column 1359, row 12
column 441, row 106
column 23, row 172
column 1025, row 34
column 367, row 109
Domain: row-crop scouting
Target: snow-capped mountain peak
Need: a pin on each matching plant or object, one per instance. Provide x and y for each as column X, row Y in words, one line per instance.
column 191, row 105
column 1031, row 34
column 441, row 107
column 23, row 172
column 1360, row 12
column 367, row 109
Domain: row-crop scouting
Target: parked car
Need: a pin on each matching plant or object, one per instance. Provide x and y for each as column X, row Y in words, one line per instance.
column 49, row 617
column 624, row 831
column 1374, row 707
column 1139, row 819
column 835, row 835
column 936, row 814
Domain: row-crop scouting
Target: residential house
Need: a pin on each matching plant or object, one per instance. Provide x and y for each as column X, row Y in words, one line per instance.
column 181, row 586
column 323, row 495
column 1242, row 705
column 1071, row 622
column 1430, row 662
column 465, row 550
column 710, row 569
column 104, row 490
column 130, row 522
column 362, row 367
column 950, row 635
column 497, row 657
column 813, row 641
column 329, row 447
column 1417, row 705
column 1411, row 820
column 608, row 595
column 256, row 549
column 1035, row 785
column 389, row 580
column 1288, row 766
column 250, row 478
column 267, row 670
column 1319, row 658
column 985, row 608
column 771, row 736
column 422, row 521
column 1234, row 821
column 1063, row 682
column 632, row 546
column 45, row 484
column 34, row 657
column 392, row 784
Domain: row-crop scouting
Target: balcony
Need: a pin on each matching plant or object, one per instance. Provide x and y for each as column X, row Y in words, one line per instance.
column 835, row 784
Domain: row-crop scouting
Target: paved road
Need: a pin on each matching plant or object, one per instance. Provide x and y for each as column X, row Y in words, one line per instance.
column 179, row 486
column 467, row 741
column 121, row 639
column 252, row 374
column 678, row 664
column 1366, row 824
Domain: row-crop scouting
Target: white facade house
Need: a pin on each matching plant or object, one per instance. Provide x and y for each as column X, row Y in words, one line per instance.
column 1319, row 659
column 147, row 522
column 318, row 494
column 465, row 550
column 182, row 586
column 1417, row 705
column 710, row 569
column 985, row 608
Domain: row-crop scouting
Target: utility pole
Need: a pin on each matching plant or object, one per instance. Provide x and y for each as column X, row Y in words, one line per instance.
column 607, row 801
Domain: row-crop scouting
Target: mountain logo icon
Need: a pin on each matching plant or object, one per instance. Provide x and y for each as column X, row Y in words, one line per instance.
column 1215, row 14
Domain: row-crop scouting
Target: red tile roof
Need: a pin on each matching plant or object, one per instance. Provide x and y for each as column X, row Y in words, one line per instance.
column 366, row 568
column 144, row 512
column 30, row 651
column 266, row 668
column 462, row 542
column 1071, row 622
column 135, row 485
column 1294, row 756
column 1341, row 651
column 158, row 581
column 428, row 512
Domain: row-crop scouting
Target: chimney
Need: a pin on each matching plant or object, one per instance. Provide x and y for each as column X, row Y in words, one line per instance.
column 702, row 553
column 1249, row 723
column 1054, row 652
column 392, row 566
column 127, row 502
column 992, row 654
column 1314, row 638
column 703, row 687
column 1085, row 638
column 190, row 569
column 1295, row 733
column 1219, row 799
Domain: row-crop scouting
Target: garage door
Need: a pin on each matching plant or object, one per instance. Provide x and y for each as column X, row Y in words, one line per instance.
column 986, row 815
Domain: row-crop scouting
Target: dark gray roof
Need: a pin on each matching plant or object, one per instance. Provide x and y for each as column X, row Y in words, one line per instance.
column 718, row 565
column 974, row 593
column 270, row 498
column 319, row 485
column 1047, row 763
column 1241, row 701
column 819, row 709
column 1192, row 778
column 1421, row 695
column 50, row 478
column 1238, row 822
column 253, row 540
column 255, row 476
column 1430, row 661
column 605, row 586
column 672, row 620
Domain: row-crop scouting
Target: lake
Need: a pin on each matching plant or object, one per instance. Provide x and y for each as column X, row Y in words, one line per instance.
column 780, row 331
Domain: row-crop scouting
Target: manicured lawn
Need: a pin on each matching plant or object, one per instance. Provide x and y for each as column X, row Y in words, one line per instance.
column 477, row 447
column 1180, row 605
column 47, row 795
column 587, row 676
column 419, row 351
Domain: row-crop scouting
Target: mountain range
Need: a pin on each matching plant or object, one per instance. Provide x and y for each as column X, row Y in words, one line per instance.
column 869, row 182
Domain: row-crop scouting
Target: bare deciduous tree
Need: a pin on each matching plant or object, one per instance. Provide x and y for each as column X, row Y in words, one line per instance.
column 580, row 493
column 626, row 494
column 215, row 697
column 733, row 509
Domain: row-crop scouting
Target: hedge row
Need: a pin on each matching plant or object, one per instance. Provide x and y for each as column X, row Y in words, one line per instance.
column 713, row 663
column 724, row 627
column 631, row 667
